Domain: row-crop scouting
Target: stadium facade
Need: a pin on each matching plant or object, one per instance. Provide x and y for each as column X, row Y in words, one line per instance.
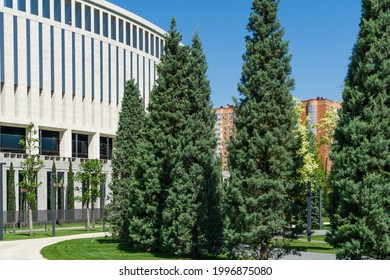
column 63, row 66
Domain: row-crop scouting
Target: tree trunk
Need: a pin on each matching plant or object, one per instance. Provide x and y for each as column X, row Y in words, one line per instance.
column 30, row 221
column 93, row 214
column 264, row 253
column 88, row 222
column 20, row 209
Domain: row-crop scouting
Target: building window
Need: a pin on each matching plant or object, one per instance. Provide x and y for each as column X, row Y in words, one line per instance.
column 79, row 145
column 40, row 55
column 109, row 73
column 16, row 64
column 49, row 142
column 10, row 139
column 101, row 71
column 52, row 57
column 22, row 5
column 46, row 8
column 68, row 12
column 87, row 18
column 78, row 17
column 105, row 147
column 73, row 63
column 93, row 68
column 146, row 41
column 157, row 47
column 28, row 46
column 151, row 44
column 63, row 59
column 134, row 36
column 128, row 33
column 83, row 65
column 105, row 25
column 141, row 39
column 57, row 10
column 120, row 30
column 113, row 28
column 34, row 7
column 96, row 23
column 8, row 4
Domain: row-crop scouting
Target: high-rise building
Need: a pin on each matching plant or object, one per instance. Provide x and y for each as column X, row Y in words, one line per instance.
column 63, row 66
column 224, row 131
column 316, row 109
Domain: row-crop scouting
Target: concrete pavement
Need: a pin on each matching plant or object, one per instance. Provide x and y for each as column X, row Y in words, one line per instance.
column 30, row 249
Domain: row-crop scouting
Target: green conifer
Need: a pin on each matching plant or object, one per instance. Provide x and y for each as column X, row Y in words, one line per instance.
column 261, row 155
column 360, row 176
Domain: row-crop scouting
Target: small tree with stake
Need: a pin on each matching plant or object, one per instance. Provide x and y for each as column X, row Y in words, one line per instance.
column 30, row 167
column 90, row 175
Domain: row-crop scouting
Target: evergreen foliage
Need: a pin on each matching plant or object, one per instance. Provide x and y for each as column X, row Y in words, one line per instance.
column 70, row 188
column 192, row 221
column 124, row 161
column 360, row 177
column 11, row 197
column 261, row 155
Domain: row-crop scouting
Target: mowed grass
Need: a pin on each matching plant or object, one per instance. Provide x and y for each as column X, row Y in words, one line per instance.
column 46, row 234
column 100, row 249
column 318, row 245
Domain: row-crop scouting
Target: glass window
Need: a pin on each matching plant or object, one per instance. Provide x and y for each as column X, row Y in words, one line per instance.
column 78, row 17
column 22, row 5
column 105, row 24
column 40, row 39
column 16, row 64
column 87, row 18
column 105, row 147
column 46, row 8
column 10, row 138
column 49, row 142
column 141, row 39
column 8, row 3
column 120, row 31
column 68, row 12
column 151, row 44
column 157, row 47
column 128, row 33
column 34, row 7
column 57, row 10
column 134, row 36
column 146, row 41
column 113, row 28
column 79, row 145
column 96, row 21
column 28, row 49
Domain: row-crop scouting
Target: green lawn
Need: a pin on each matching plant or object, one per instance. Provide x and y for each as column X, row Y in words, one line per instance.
column 317, row 247
column 46, row 234
column 99, row 249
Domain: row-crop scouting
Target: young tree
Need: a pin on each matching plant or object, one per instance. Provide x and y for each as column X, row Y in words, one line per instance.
column 90, row 175
column 70, row 191
column 192, row 218
column 11, row 198
column 124, row 161
column 360, row 176
column 30, row 167
column 261, row 155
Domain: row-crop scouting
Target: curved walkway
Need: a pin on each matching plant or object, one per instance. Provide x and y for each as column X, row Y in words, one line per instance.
column 30, row 249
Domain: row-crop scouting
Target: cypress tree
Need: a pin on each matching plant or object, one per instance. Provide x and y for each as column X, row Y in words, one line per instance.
column 11, row 198
column 70, row 193
column 192, row 218
column 261, row 155
column 124, row 161
column 360, row 176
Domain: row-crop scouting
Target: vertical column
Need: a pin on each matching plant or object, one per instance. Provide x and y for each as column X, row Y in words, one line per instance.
column 94, row 146
column 66, row 143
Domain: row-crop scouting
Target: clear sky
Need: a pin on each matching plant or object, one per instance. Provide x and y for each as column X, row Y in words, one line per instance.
column 321, row 35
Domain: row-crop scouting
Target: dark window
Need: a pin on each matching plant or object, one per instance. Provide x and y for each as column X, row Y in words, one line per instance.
column 141, row 39
column 16, row 64
column 22, row 5
column 49, row 142
column 68, row 12
column 87, row 18
column 78, row 15
column 120, row 31
column 8, row 3
column 105, row 147
column 10, row 137
column 157, row 47
column 34, row 7
column 128, row 33
column 57, row 10
column 134, row 36
column 105, row 24
column 96, row 21
column 46, row 8
column 79, row 145
column 52, row 57
column 1, row 47
column 151, row 44
column 28, row 46
column 146, row 41
column 113, row 28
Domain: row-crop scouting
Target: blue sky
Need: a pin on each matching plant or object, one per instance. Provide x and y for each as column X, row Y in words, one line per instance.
column 321, row 35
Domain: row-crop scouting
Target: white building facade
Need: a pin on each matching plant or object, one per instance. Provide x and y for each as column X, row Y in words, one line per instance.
column 63, row 66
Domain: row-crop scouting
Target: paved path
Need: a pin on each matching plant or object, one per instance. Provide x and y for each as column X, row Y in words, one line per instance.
column 30, row 249
column 310, row 256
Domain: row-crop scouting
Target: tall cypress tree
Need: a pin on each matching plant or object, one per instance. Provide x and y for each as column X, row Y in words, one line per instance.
column 11, row 198
column 124, row 163
column 360, row 177
column 70, row 193
column 261, row 155
column 192, row 220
